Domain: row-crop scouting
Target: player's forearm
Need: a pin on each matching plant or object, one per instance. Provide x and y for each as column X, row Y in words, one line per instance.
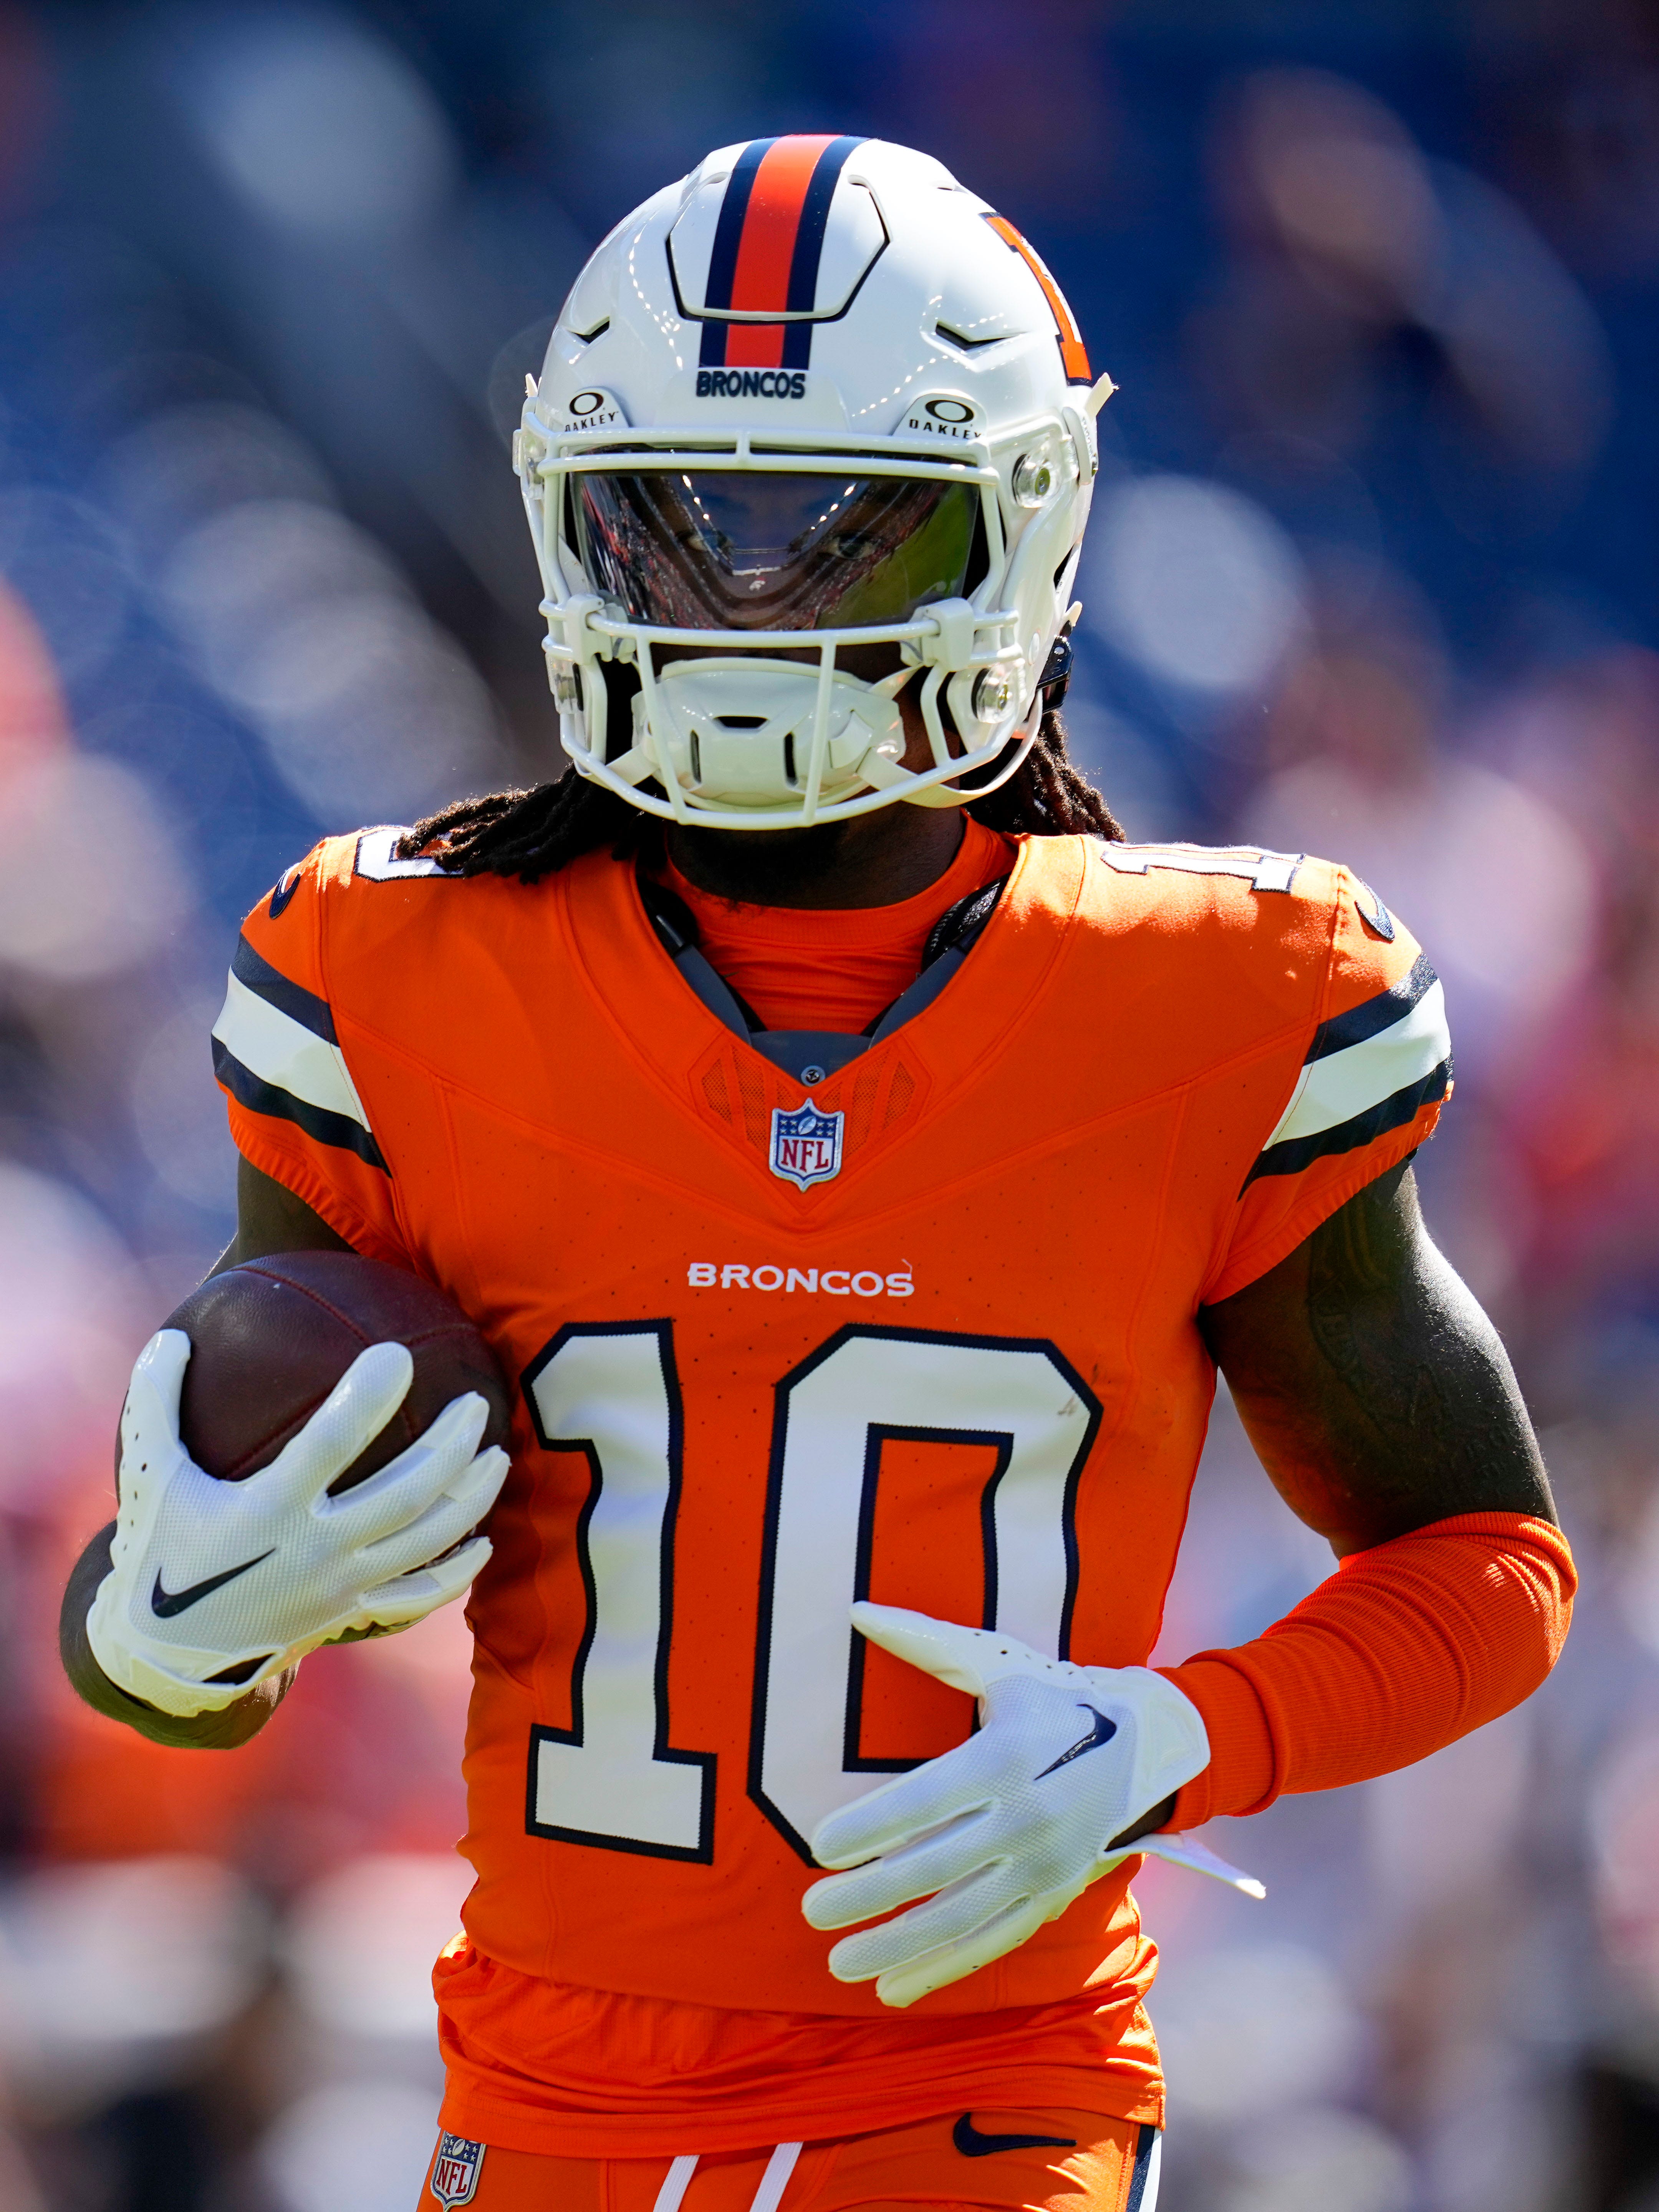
column 219, row 1731
column 1406, row 1647
column 1380, row 1400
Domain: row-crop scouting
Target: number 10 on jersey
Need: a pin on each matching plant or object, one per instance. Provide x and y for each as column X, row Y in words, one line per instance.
column 616, row 1778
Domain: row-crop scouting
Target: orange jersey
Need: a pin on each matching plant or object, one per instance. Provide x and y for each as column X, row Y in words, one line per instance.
column 927, row 1336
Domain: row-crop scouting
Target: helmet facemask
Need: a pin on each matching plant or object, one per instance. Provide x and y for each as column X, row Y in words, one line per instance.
column 773, row 607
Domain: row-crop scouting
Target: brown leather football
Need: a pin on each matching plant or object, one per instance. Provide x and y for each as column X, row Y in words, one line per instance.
column 270, row 1339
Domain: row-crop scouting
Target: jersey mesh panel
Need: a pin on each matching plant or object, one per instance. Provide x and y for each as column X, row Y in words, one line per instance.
column 883, row 1091
column 757, row 1095
column 861, row 1107
column 900, row 1091
column 715, row 1090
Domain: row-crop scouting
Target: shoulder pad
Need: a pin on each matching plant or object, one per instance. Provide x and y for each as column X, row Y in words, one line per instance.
column 1262, row 870
column 376, row 857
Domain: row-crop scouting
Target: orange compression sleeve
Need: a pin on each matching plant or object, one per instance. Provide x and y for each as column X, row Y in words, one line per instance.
column 1406, row 1647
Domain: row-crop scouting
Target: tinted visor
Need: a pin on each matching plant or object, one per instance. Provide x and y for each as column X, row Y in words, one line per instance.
column 744, row 550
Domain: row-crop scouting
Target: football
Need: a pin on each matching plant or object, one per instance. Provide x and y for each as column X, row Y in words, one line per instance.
column 270, row 1339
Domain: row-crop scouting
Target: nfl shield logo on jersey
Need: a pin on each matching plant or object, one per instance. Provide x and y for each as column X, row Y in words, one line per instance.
column 456, row 2168
column 805, row 1145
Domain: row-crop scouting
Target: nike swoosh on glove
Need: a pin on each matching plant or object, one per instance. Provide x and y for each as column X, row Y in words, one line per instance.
column 1003, row 1832
column 209, row 1576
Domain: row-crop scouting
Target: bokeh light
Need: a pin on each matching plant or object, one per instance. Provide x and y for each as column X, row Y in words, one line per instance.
column 1195, row 583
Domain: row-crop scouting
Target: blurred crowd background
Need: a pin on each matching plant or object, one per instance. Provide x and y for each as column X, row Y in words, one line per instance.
column 1374, row 572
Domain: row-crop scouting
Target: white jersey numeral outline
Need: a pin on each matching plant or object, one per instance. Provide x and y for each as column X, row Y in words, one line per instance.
column 1263, row 870
column 611, row 1390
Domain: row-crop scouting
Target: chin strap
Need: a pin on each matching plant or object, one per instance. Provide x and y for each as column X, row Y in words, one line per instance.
column 813, row 1055
column 1056, row 678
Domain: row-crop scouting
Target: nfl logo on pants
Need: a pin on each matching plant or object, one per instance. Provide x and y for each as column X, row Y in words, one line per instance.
column 455, row 2170
column 805, row 1145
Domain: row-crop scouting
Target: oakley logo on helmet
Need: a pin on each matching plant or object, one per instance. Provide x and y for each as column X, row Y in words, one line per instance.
column 943, row 418
column 594, row 410
column 752, row 384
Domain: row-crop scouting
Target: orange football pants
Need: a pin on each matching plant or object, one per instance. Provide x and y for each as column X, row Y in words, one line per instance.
column 982, row 2161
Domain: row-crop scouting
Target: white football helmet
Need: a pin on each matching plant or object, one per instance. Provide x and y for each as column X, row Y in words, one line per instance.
column 814, row 424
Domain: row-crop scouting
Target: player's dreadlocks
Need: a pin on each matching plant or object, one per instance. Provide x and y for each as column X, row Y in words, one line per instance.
column 528, row 834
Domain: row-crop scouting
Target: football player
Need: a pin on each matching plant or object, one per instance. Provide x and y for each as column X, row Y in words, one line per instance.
column 862, row 1159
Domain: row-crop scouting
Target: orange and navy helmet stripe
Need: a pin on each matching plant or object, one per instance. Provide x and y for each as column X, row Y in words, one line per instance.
column 1073, row 352
column 768, row 243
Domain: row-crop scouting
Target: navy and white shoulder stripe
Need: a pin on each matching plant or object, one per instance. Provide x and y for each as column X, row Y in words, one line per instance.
column 275, row 1051
column 1143, row 2181
column 1366, row 1072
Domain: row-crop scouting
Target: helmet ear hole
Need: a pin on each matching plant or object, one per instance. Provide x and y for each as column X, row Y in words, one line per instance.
column 979, row 556
column 621, row 682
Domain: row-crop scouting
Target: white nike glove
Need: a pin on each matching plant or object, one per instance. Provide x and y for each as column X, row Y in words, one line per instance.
column 1005, row 1831
column 209, row 1576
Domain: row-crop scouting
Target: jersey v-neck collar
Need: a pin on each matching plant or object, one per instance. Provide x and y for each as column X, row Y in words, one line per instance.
column 834, row 968
column 675, row 1040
